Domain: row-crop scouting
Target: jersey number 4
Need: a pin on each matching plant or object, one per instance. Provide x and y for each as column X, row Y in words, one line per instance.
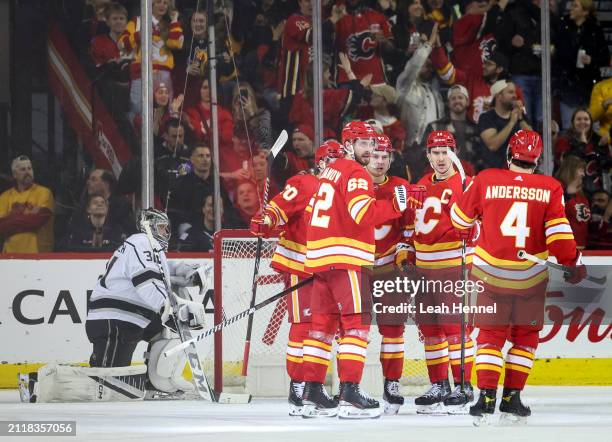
column 515, row 224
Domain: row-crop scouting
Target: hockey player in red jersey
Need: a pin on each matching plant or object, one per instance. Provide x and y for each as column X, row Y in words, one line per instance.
column 340, row 243
column 391, row 248
column 519, row 210
column 438, row 250
column 286, row 211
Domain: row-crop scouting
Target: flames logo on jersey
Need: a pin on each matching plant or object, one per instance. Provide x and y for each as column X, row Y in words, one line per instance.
column 361, row 46
column 583, row 213
column 487, row 47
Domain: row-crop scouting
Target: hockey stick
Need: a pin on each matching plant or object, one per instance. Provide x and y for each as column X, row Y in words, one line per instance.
column 238, row 317
column 459, row 166
column 276, row 148
column 566, row 269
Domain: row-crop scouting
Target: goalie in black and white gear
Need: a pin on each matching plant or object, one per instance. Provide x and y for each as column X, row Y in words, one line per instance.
column 129, row 304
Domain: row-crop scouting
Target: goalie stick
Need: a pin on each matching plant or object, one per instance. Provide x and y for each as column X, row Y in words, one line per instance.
column 566, row 269
column 238, row 317
column 199, row 376
column 459, row 166
column 276, row 148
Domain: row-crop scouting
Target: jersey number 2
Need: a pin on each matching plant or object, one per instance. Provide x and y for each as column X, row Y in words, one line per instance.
column 515, row 224
column 325, row 197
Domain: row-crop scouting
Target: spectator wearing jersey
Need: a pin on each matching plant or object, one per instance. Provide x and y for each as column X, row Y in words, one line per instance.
column 495, row 127
column 26, row 212
column 581, row 50
column 580, row 138
column 420, row 101
column 247, row 113
column 199, row 119
column 167, row 37
column 92, row 230
column 600, row 236
column 457, row 123
column 577, row 208
column 102, row 182
column 234, row 162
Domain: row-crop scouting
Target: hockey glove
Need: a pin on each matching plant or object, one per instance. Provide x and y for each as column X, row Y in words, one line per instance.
column 416, row 194
column 400, row 199
column 404, row 256
column 469, row 235
column 261, row 225
column 190, row 312
column 577, row 271
column 186, row 275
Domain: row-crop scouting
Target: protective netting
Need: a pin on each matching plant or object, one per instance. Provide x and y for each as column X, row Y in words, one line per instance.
column 270, row 325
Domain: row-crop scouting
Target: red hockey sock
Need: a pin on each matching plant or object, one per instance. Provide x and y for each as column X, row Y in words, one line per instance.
column 519, row 361
column 436, row 357
column 392, row 357
column 455, row 357
column 297, row 334
column 351, row 357
column 489, row 364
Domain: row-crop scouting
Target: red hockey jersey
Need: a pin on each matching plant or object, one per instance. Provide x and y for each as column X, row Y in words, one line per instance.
column 390, row 233
column 344, row 214
column 435, row 240
column 519, row 211
column 296, row 53
column 288, row 211
column 354, row 37
column 578, row 212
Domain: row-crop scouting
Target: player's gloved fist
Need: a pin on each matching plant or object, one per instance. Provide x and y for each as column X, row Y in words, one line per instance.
column 469, row 235
column 415, row 195
column 578, row 271
column 400, row 199
column 261, row 225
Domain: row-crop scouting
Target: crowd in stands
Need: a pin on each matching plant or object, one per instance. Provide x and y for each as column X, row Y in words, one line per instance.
column 407, row 66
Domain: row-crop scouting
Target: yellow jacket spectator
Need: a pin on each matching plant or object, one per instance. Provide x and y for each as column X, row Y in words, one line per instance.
column 26, row 212
column 601, row 106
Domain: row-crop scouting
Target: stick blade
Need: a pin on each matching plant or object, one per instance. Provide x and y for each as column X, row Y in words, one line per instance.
column 279, row 143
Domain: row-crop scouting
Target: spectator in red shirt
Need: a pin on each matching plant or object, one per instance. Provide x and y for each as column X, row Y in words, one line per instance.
column 600, row 236
column 199, row 120
column 234, row 162
column 577, row 208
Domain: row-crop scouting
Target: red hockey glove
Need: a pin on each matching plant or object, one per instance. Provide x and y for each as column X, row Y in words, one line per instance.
column 577, row 271
column 416, row 194
column 470, row 235
column 261, row 225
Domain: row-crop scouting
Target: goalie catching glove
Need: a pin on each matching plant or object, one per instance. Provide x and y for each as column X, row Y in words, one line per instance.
column 186, row 275
column 409, row 197
column 189, row 312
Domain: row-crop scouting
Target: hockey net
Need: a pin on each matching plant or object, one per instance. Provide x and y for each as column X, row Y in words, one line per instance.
column 234, row 259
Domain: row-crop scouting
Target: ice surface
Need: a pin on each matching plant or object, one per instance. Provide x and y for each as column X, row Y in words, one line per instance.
column 576, row 414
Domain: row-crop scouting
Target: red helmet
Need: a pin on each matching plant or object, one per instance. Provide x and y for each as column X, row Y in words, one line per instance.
column 329, row 149
column 357, row 129
column 525, row 145
column 441, row 138
column 383, row 144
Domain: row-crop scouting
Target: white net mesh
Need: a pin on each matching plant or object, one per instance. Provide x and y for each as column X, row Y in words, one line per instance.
column 270, row 325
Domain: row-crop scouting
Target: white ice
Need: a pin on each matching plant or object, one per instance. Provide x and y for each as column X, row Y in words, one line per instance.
column 576, row 414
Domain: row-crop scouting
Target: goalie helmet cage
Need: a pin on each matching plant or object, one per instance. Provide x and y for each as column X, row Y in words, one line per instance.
column 234, row 256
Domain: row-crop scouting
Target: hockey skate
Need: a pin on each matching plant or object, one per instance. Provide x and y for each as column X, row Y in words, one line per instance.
column 483, row 409
column 356, row 404
column 296, row 390
column 392, row 399
column 457, row 402
column 432, row 402
column 317, row 402
column 513, row 411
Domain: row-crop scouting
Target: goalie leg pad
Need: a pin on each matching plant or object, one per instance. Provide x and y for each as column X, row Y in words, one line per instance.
column 166, row 372
column 65, row 383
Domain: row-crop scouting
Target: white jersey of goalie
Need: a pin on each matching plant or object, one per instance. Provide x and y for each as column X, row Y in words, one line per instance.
column 131, row 289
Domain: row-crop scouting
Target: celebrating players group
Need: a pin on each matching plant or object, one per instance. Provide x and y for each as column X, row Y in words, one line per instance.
column 346, row 221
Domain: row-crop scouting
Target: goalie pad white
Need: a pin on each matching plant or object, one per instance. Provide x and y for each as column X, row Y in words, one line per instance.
column 66, row 383
column 166, row 372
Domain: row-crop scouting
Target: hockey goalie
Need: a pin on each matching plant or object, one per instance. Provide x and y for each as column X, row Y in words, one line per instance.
column 129, row 304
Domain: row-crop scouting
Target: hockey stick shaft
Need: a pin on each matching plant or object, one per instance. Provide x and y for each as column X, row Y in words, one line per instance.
column 199, row 377
column 553, row 265
column 459, row 166
column 276, row 148
column 238, row 317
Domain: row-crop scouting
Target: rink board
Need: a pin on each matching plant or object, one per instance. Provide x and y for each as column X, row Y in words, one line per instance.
column 44, row 302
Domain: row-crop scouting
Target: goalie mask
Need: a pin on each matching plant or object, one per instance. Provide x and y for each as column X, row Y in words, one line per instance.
column 158, row 222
